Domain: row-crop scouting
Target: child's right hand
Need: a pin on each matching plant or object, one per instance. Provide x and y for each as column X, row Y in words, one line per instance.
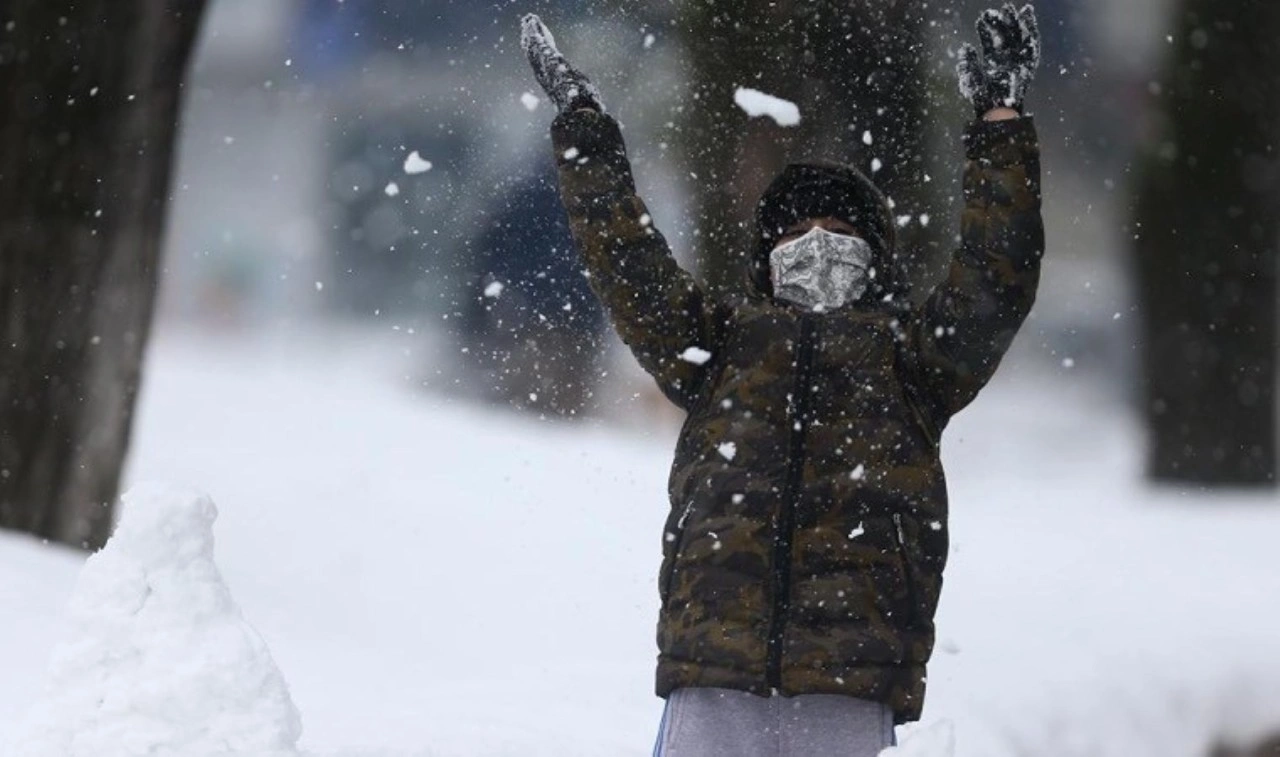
column 567, row 87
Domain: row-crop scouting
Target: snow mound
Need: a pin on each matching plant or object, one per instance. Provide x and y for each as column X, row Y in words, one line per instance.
column 159, row 660
column 757, row 103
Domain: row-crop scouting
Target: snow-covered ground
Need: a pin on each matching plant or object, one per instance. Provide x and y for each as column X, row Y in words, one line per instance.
column 434, row 579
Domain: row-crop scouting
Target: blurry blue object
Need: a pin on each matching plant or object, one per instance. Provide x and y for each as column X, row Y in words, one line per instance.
column 526, row 247
column 532, row 327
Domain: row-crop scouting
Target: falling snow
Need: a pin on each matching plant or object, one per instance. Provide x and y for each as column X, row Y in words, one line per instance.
column 415, row 164
column 695, row 355
column 757, row 103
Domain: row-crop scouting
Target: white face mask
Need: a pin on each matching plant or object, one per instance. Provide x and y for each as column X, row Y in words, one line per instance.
column 821, row 270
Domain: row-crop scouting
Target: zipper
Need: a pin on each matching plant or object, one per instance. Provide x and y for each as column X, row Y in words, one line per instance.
column 800, row 393
column 912, row 597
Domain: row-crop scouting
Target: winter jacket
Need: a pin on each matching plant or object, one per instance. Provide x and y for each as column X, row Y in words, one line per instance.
column 804, row 549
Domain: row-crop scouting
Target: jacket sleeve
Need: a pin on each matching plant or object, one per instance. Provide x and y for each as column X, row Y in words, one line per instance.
column 657, row 308
column 963, row 329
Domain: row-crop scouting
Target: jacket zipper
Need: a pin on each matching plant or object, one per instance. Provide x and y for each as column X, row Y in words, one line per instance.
column 800, row 393
column 912, row 597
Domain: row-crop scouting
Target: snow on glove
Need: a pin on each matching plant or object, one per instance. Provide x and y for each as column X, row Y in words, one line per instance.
column 567, row 87
column 1010, row 55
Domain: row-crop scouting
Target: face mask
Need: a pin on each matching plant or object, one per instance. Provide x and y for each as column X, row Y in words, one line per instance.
column 821, row 270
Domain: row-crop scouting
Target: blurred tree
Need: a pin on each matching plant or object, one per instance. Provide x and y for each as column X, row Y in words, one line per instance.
column 90, row 90
column 858, row 73
column 1207, row 229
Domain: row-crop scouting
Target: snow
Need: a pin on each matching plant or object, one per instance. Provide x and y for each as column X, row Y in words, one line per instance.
column 435, row 580
column 391, row 189
column 159, row 659
column 695, row 355
column 415, row 164
column 727, row 450
column 935, row 740
column 493, row 289
column 530, row 101
column 757, row 103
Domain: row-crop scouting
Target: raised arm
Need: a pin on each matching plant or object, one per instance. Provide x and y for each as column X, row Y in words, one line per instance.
column 966, row 325
column 658, row 309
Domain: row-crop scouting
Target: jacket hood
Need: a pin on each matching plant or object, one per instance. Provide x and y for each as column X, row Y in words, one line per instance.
column 818, row 189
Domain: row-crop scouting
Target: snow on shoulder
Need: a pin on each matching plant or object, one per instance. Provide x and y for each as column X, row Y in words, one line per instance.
column 158, row 659
column 757, row 103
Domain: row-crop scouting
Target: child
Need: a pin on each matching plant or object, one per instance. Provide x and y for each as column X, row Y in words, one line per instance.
column 803, row 554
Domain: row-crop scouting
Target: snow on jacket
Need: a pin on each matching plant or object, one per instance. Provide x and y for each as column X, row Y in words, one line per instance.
column 807, row 535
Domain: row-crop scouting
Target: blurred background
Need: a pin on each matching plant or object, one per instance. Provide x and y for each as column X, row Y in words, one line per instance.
column 360, row 259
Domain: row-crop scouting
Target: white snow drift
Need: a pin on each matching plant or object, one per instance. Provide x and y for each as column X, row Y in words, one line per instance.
column 159, row 661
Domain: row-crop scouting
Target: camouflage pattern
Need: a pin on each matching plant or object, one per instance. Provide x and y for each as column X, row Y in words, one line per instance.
column 807, row 535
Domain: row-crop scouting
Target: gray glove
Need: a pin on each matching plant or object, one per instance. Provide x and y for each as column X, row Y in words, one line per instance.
column 999, row 78
column 567, row 87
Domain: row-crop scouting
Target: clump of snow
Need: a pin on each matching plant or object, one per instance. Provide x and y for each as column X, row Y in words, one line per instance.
column 416, row 164
column 695, row 355
column 757, row 103
column 159, row 660
column 530, row 101
column 876, row 165
column 727, row 450
column 392, row 189
column 493, row 289
column 935, row 740
column 649, row 39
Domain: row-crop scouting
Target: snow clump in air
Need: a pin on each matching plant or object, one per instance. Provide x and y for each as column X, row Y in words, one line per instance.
column 530, row 101
column 695, row 355
column 415, row 164
column 158, row 659
column 757, row 103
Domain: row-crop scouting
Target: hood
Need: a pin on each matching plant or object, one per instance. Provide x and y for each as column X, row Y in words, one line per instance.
column 817, row 189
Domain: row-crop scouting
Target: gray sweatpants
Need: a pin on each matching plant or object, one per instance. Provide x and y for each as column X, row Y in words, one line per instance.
column 707, row 722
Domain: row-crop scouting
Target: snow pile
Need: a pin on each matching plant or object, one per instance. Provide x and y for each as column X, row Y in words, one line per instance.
column 159, row 660
column 757, row 103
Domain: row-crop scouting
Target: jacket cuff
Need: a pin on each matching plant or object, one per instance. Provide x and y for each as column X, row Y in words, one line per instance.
column 587, row 138
column 1002, row 143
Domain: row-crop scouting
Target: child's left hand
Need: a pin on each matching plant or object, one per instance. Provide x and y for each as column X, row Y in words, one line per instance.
column 1000, row 76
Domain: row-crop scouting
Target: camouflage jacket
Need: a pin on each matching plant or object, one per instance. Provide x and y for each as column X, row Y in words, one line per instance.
column 807, row 534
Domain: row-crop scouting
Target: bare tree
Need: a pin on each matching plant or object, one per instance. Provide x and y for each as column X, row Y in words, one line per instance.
column 90, row 91
column 858, row 72
column 1207, row 229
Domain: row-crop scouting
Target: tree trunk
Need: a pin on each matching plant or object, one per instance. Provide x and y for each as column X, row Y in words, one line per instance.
column 851, row 70
column 1206, row 233
column 90, row 91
